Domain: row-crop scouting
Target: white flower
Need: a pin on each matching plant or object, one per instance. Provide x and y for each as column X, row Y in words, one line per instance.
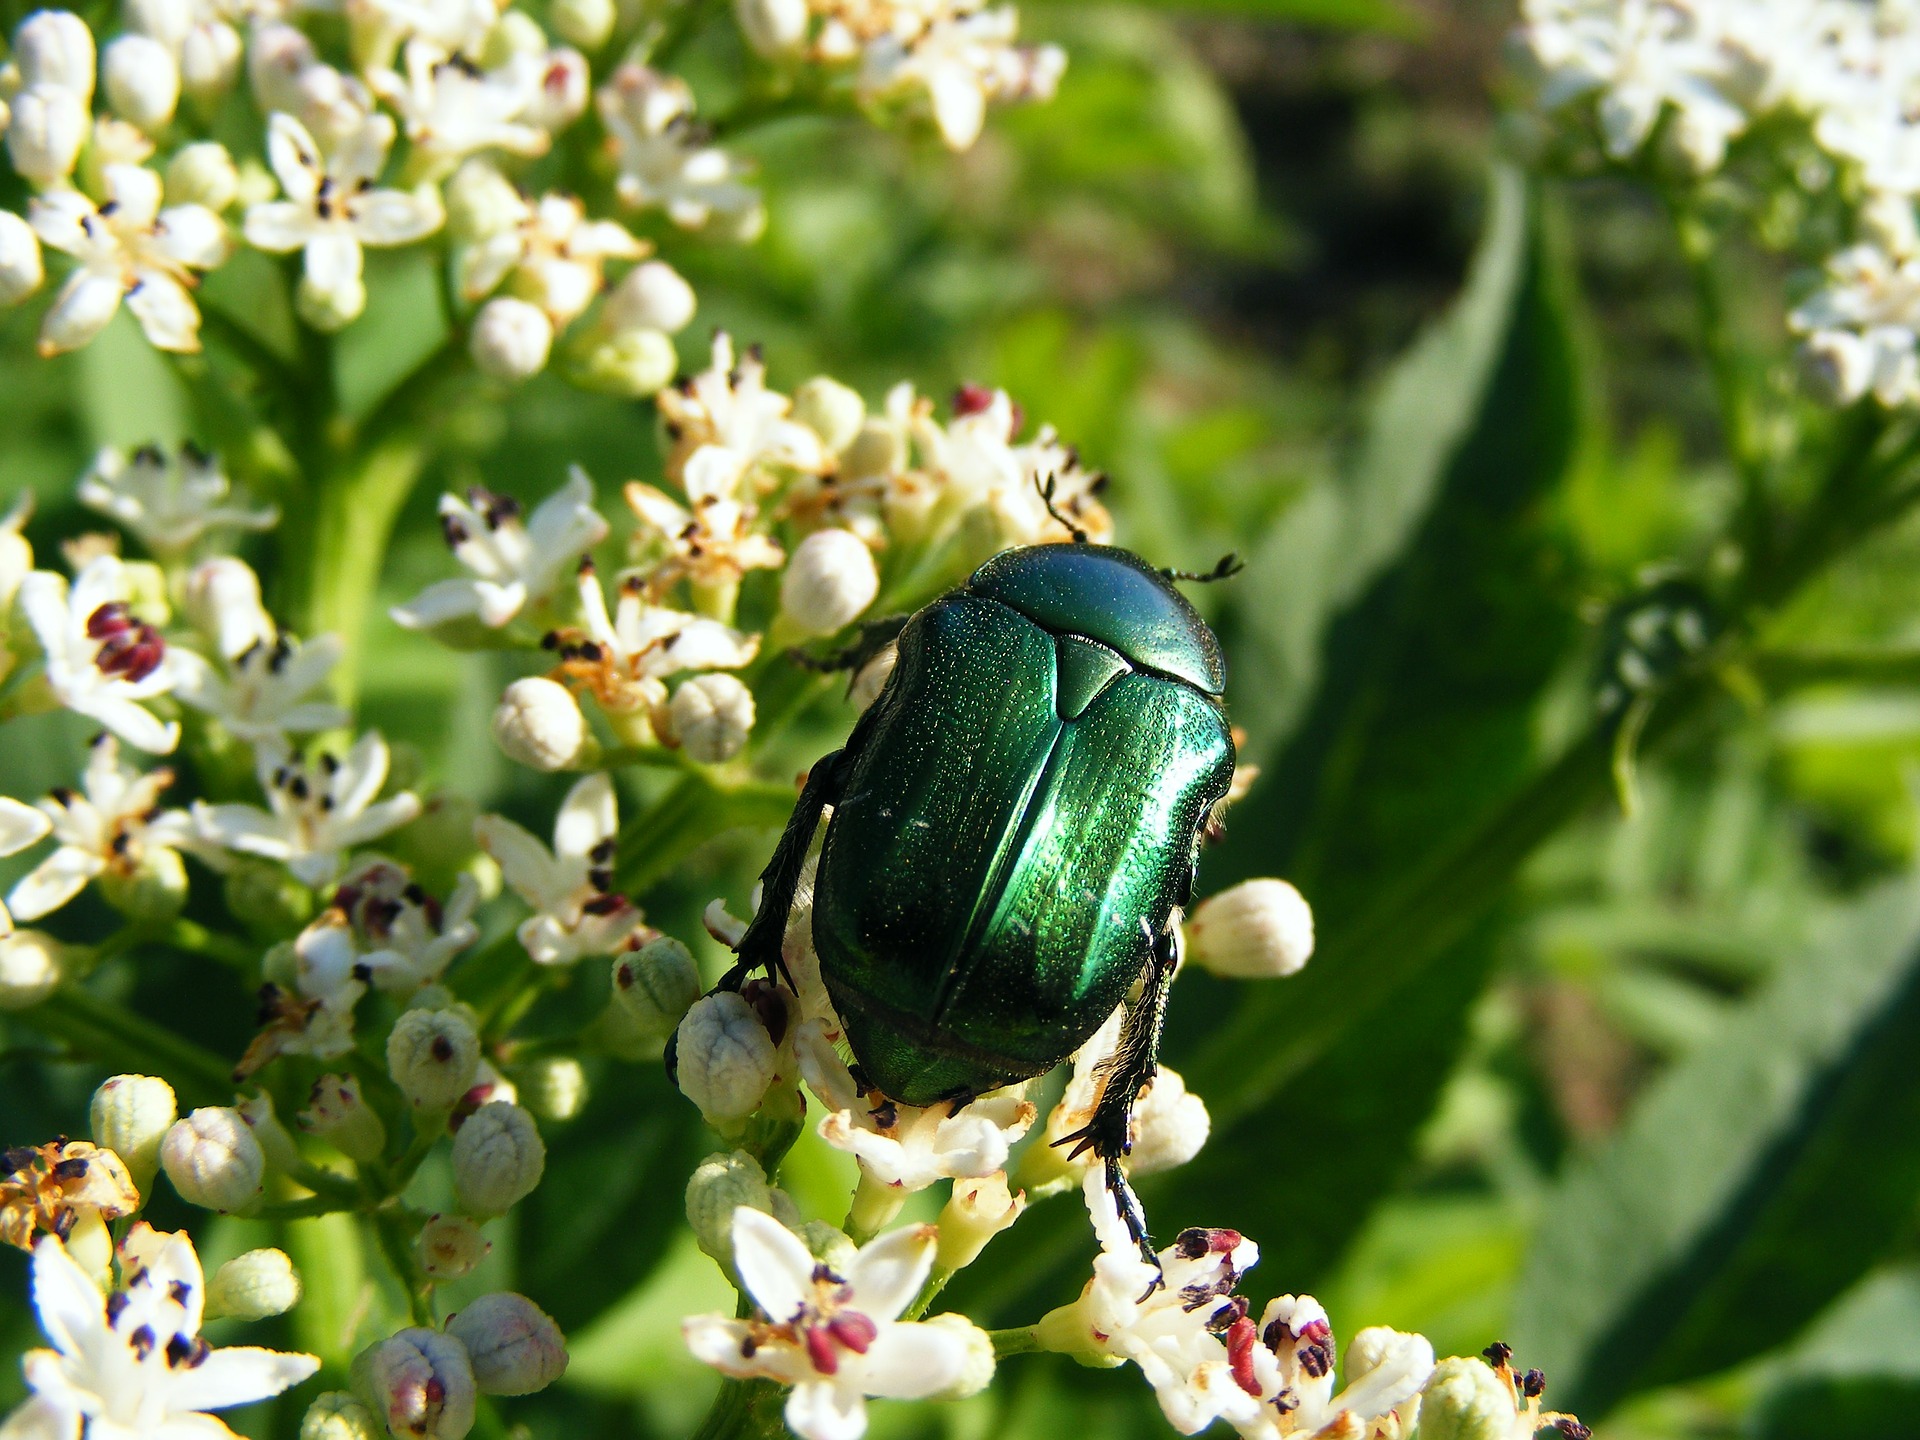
column 452, row 108
column 516, row 564
column 1280, row 1376
column 453, row 26
column 623, row 658
column 1864, row 324
column 835, row 1339
column 555, row 254
column 333, row 207
column 128, row 248
column 222, row 602
column 662, row 159
column 168, row 503
column 113, row 826
column 267, row 691
column 570, row 886
column 902, row 1146
column 316, row 1017
column 976, row 462
column 405, row 937
column 318, row 810
column 962, row 61
column 101, row 661
column 726, row 424
column 135, row 1365
column 20, row 826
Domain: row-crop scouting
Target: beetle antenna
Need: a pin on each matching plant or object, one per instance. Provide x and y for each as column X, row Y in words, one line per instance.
column 1047, row 488
column 1226, row 568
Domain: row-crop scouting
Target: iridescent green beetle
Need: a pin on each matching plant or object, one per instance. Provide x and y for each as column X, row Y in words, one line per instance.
column 1015, row 821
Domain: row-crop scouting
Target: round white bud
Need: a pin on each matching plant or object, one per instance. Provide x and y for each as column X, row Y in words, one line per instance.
column 774, row 28
column 337, row 1415
column 210, row 60
column 451, row 1246
column 130, row 1115
column 976, row 1372
column 481, row 202
column 1465, row 1400
column 328, row 308
column 1256, row 930
column 872, row 678
column 203, row 173
column 720, row 1185
column 978, row 1210
column 498, row 1159
column 833, row 411
column 586, row 23
column 511, row 339
column 726, row 1059
column 55, row 47
column 657, row 984
column 142, row 80
column 632, row 364
column 538, row 723
column 433, row 1056
column 711, row 716
column 553, row 1087
column 49, row 126
column 421, row 1382
column 514, row 1345
column 222, row 602
column 829, row 581
column 651, row 296
column 30, row 968
column 213, row 1159
column 254, row 1286
column 1170, row 1124
column 565, row 85
column 21, row 271
column 340, row 1115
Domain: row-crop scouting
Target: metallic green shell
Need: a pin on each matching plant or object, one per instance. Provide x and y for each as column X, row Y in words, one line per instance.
column 1005, row 847
column 1112, row 596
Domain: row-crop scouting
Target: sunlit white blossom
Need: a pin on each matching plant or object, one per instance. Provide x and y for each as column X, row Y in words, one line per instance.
column 663, row 160
column 452, row 109
column 1861, row 328
column 622, row 659
column 570, row 886
column 168, row 502
column 554, row 253
column 21, row 825
column 961, row 62
column 101, row 660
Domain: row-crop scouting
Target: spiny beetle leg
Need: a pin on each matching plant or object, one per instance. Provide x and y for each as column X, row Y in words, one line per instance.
column 759, row 948
column 874, row 637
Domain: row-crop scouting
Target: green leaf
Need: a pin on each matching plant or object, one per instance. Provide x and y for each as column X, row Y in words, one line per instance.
column 1751, row 1185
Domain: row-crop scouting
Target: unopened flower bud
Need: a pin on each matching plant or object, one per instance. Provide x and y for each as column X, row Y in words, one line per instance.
column 880, row 448
column 657, row 984
column 515, row 33
column 21, row 271
column 711, row 717
column 421, row 1382
column 142, row 80
column 153, row 892
column 481, row 202
column 565, row 86
column 651, row 296
column 829, row 580
column 1170, row 1124
column 130, row 1115
column 538, row 723
column 976, row 1373
column 330, row 307
column 513, row 1344
column 774, row 28
column 203, row 173
column 1256, row 930
column 266, row 898
column 629, row 363
column 498, row 1159
column 977, row 1211
column 336, row 1415
column 30, row 968
column 586, row 23
column 511, row 339
column 55, row 47
column 213, row 1159
column 451, row 1246
column 553, row 1087
column 831, row 410
column 254, row 1286
column 1837, row 365
column 1465, row 1400
column 210, row 60
column 49, row 126
column 340, row 1115
column 273, row 1138
column 433, row 1056
column 719, row 1185
column 726, row 1059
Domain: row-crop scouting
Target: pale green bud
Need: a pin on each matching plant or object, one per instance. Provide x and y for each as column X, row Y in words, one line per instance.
column 451, row 1246
column 274, row 1140
column 727, row 1061
column 213, row 1159
column 1465, row 1400
column 203, row 174
column 433, row 1056
column 651, row 296
column 831, row 410
column 330, row 308
column 421, row 1382
column 978, row 1210
column 336, row 1415
column 657, row 984
column 30, row 968
column 514, row 1345
column 586, row 23
column 510, row 340
column 977, row 1371
column 130, row 1115
column 149, row 596
column 21, row 273
column 553, row 1088
column 719, row 1185
column 481, row 202
column 880, row 448
column 631, row 364
column 498, row 1158
column 826, row 1242
column 516, row 33
column 774, row 28
column 338, row 1113
column 254, row 1286
column 266, row 899
column 153, row 892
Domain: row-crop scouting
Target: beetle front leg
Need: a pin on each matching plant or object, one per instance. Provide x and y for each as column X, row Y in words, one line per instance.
column 1124, row 1074
column 759, row 948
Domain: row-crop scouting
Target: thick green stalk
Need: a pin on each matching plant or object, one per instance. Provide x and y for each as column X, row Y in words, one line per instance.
column 743, row 1410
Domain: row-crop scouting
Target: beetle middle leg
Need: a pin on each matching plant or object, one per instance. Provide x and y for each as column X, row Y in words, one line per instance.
column 759, row 948
column 1128, row 1071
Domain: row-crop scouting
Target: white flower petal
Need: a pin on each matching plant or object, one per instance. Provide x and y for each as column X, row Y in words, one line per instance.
column 587, row 816
column 53, row 882
column 71, row 1309
column 774, row 1266
column 165, row 311
column 821, row 1410
column 81, row 311
column 889, row 1271
column 20, row 825
column 910, row 1361
column 238, row 1375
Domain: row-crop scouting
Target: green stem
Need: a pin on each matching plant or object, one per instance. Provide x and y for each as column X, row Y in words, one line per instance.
column 392, row 1228
column 306, row 1209
column 1020, row 1340
column 929, row 1292
column 123, row 1039
column 743, row 1410
column 197, row 939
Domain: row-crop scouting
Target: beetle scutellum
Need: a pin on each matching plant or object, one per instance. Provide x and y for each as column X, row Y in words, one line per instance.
column 1015, row 824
